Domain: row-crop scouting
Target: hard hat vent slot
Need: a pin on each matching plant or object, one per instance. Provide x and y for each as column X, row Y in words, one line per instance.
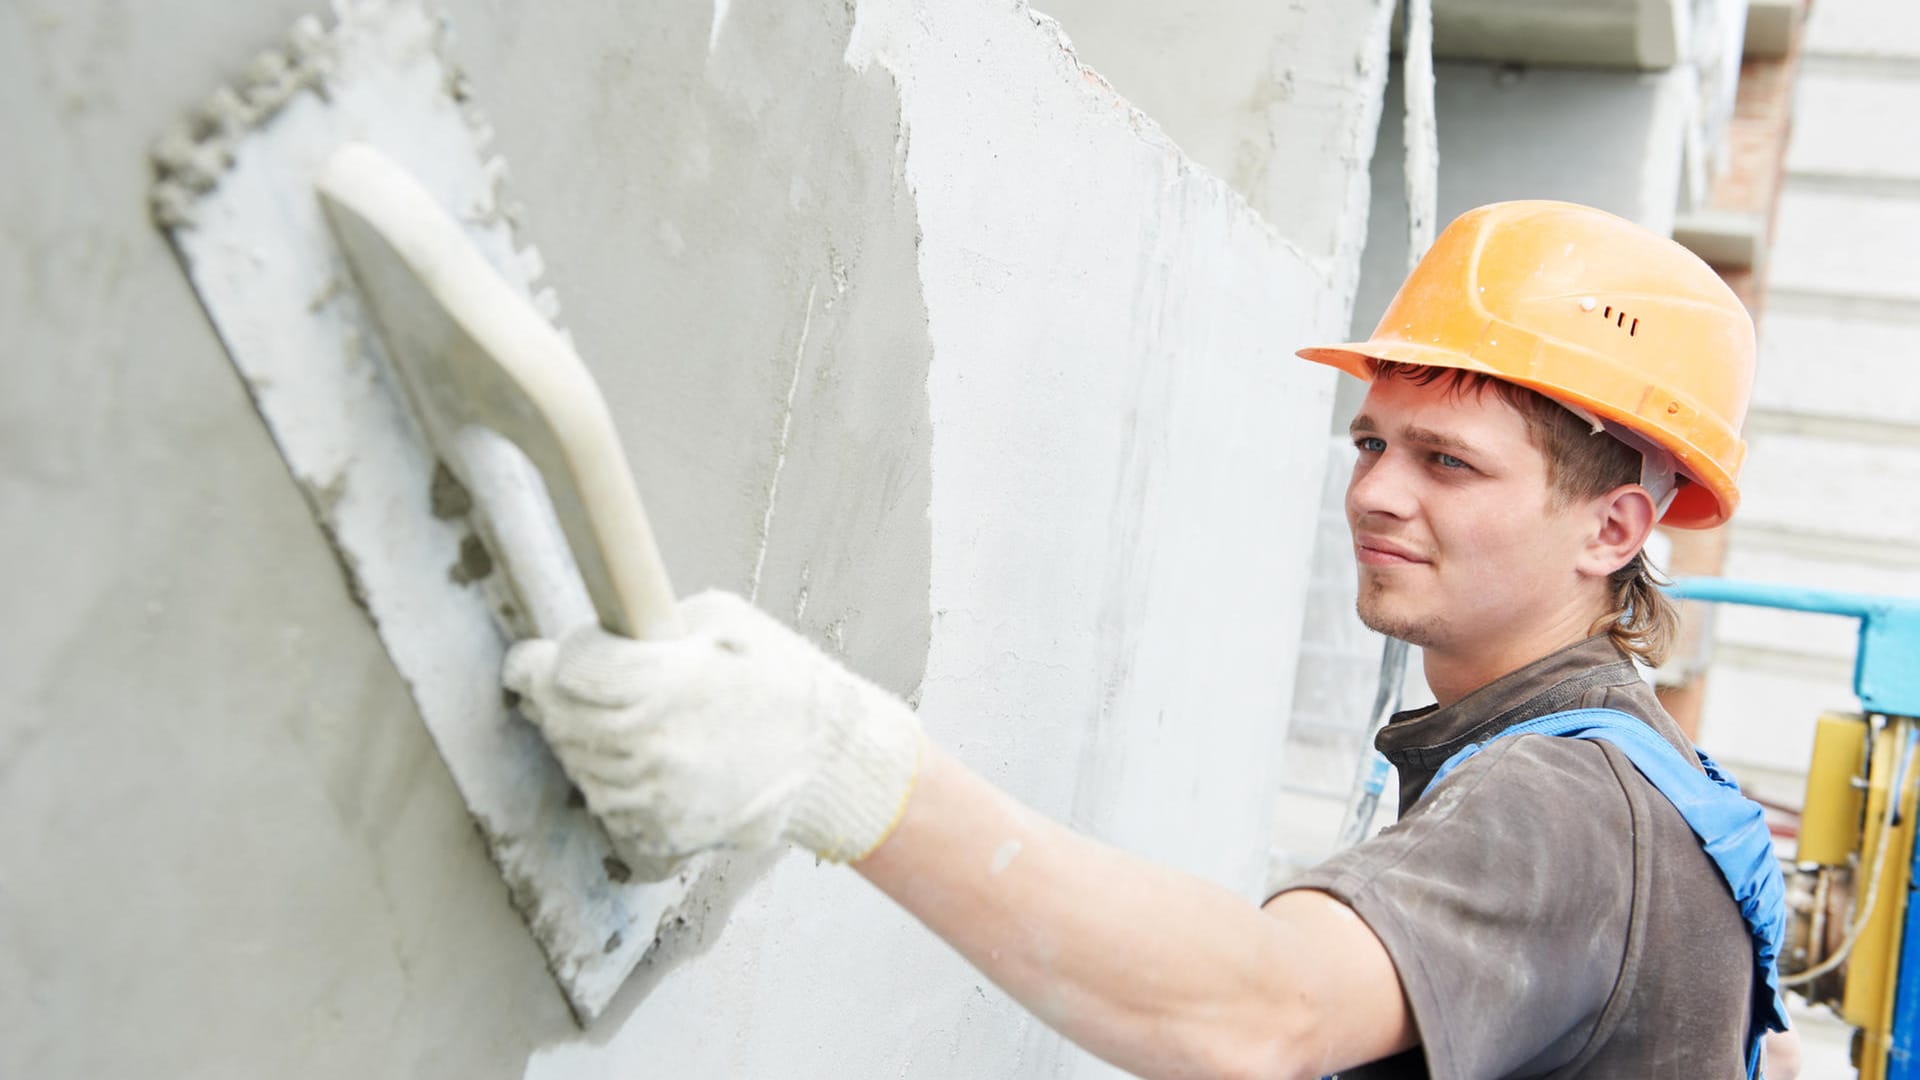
column 1620, row 320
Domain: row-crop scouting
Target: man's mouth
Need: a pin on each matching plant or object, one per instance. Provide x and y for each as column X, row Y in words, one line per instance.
column 1375, row 551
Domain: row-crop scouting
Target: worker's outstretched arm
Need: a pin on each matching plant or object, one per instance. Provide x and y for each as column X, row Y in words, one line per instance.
column 1159, row 972
column 742, row 734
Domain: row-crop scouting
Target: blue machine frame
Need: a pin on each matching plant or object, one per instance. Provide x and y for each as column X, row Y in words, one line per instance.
column 1886, row 679
column 1886, row 666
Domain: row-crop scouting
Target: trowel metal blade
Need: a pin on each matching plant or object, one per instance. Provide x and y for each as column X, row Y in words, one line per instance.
column 238, row 201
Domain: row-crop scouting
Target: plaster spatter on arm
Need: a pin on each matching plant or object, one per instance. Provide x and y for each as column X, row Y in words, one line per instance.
column 740, row 734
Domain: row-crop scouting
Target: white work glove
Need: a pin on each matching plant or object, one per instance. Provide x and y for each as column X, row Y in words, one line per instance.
column 740, row 734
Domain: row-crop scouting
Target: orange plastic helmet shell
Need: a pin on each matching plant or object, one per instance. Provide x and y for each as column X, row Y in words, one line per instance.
column 1589, row 309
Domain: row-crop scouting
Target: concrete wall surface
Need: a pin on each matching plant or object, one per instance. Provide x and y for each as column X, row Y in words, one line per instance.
column 914, row 328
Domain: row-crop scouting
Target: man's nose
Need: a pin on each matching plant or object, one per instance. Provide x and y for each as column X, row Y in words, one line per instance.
column 1380, row 486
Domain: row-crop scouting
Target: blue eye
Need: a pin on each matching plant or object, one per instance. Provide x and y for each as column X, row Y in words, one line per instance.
column 1370, row 444
column 1448, row 461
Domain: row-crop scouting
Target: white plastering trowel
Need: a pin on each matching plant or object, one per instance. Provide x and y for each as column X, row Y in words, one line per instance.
column 354, row 250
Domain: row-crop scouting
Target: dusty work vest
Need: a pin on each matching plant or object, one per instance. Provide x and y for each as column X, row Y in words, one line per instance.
column 1731, row 827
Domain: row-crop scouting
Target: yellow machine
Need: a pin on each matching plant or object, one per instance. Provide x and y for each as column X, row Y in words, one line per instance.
column 1853, row 932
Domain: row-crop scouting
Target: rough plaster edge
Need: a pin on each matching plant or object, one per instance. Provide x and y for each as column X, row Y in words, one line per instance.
column 1155, row 137
column 879, row 39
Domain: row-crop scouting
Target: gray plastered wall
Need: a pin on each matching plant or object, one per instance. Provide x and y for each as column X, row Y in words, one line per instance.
column 789, row 239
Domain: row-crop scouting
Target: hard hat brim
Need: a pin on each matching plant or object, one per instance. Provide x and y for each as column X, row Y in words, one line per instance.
column 1696, row 506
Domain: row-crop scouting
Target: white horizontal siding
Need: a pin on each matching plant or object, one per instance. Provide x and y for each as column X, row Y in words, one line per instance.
column 1839, row 367
column 1880, row 28
column 1827, row 487
column 1840, row 242
column 1840, row 125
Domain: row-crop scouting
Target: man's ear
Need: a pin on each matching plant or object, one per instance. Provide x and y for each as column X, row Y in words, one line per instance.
column 1622, row 520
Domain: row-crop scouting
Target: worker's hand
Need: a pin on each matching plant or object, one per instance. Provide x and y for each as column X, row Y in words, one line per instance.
column 740, row 734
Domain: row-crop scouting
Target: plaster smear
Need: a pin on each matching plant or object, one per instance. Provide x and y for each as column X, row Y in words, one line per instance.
column 688, row 201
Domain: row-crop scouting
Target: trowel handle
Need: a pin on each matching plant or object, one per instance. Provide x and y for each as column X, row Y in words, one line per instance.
column 473, row 350
column 578, row 453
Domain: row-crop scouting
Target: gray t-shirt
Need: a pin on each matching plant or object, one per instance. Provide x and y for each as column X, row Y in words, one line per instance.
column 1549, row 912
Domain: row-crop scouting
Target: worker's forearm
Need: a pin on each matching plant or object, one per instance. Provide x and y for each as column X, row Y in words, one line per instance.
column 1161, row 973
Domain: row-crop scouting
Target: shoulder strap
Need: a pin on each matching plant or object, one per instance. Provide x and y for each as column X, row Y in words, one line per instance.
column 1731, row 827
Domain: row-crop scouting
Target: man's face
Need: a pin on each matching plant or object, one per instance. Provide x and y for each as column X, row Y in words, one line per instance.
column 1458, row 542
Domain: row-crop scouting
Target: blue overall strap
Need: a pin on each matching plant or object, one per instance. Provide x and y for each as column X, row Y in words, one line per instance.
column 1731, row 827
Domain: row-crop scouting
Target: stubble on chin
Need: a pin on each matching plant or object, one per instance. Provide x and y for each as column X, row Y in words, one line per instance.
column 1374, row 611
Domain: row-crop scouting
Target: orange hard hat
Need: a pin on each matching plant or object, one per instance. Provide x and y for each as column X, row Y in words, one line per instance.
column 1595, row 312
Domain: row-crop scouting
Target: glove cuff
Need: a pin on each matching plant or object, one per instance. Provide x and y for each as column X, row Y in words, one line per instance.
column 864, row 780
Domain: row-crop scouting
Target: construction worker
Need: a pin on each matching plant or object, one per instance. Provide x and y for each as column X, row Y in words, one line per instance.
column 1549, row 382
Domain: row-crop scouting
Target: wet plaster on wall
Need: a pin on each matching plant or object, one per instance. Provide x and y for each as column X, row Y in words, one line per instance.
column 1043, row 408
column 736, row 255
column 725, row 221
column 306, row 876
column 723, row 212
column 220, row 826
